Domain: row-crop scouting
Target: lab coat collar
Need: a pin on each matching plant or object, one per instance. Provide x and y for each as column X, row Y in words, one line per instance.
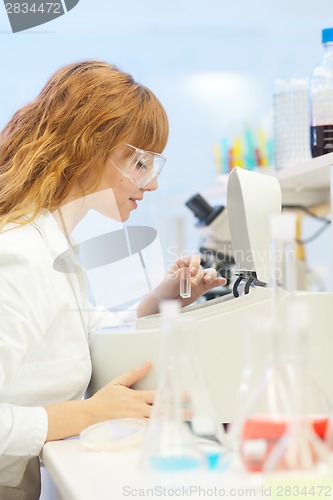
column 64, row 258
column 49, row 229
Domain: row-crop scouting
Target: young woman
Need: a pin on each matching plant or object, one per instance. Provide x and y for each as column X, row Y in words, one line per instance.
column 93, row 138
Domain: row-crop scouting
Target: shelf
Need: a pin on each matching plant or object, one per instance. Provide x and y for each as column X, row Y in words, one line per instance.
column 307, row 184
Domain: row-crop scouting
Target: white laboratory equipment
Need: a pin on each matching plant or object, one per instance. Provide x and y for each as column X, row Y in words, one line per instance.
column 222, row 322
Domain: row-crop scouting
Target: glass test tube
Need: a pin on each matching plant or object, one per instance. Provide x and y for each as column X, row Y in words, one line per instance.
column 185, row 283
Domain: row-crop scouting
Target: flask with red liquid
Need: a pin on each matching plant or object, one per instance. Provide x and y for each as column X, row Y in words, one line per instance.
column 269, row 411
column 285, row 391
column 302, row 445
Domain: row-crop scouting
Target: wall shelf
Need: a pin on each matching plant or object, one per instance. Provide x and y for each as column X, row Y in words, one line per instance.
column 306, row 184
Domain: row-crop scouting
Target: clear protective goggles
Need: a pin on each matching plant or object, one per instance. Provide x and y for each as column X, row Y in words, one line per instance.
column 141, row 166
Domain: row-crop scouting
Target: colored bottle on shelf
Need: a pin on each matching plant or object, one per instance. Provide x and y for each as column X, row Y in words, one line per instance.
column 321, row 100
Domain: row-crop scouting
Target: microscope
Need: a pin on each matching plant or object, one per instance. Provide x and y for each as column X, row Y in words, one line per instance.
column 215, row 245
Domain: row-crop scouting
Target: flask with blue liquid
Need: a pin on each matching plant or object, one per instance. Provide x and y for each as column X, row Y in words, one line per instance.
column 183, row 433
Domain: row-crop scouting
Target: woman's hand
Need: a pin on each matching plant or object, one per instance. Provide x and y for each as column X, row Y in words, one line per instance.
column 115, row 400
column 202, row 280
column 118, row 400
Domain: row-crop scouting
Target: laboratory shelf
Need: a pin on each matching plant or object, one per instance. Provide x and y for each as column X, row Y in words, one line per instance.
column 305, row 184
column 308, row 183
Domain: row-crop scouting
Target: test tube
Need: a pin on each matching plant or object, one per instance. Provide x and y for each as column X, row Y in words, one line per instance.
column 185, row 283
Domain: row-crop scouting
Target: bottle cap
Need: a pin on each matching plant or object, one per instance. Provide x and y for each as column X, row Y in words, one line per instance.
column 327, row 35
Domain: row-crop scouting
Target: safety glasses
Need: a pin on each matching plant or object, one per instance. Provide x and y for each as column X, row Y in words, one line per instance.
column 140, row 166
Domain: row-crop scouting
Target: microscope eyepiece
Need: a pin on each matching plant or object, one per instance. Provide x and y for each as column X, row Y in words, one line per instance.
column 199, row 206
column 202, row 209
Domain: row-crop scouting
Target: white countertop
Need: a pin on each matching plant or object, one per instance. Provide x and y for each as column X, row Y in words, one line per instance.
column 85, row 475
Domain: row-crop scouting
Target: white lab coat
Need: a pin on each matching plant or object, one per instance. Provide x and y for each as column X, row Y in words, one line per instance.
column 44, row 345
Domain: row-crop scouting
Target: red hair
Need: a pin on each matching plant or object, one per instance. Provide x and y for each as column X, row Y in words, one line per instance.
column 84, row 112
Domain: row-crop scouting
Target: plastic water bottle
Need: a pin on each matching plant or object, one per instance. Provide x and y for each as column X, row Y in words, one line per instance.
column 321, row 100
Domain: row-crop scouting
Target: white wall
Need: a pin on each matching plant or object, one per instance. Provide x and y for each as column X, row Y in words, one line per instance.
column 211, row 63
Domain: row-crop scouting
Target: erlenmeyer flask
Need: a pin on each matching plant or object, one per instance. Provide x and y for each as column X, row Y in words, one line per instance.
column 302, row 446
column 293, row 317
column 268, row 411
column 199, row 409
column 308, row 397
column 263, row 384
column 169, row 444
column 257, row 349
column 272, row 407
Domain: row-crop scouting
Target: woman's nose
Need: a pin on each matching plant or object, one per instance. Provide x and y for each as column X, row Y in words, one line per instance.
column 152, row 186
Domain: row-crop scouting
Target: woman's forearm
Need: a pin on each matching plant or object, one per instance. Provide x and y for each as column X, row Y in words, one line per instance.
column 149, row 305
column 67, row 419
column 114, row 400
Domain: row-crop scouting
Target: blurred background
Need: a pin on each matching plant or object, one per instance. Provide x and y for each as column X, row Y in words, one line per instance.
column 213, row 65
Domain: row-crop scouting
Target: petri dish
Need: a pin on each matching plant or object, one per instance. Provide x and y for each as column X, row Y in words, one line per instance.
column 114, row 435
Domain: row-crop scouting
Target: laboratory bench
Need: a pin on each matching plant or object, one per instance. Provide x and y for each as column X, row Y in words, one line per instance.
column 78, row 474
